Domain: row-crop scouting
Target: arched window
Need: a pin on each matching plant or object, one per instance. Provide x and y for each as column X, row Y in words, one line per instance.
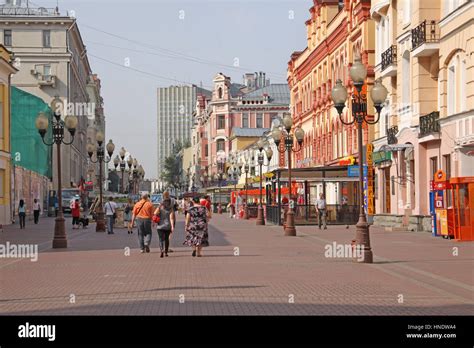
column 406, row 79
column 220, row 145
column 456, row 88
column 219, row 92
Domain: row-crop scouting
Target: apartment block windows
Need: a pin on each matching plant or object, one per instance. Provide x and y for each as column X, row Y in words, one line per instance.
column 245, row 120
column 46, row 38
column 259, row 122
column 221, row 122
column 7, row 37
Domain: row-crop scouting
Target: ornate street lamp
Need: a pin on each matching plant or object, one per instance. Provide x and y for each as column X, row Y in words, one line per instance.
column 246, row 169
column 122, row 166
column 100, row 158
column 290, row 146
column 358, row 73
column 58, row 125
column 262, row 148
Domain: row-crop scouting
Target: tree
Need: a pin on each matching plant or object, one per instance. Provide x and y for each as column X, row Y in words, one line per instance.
column 172, row 171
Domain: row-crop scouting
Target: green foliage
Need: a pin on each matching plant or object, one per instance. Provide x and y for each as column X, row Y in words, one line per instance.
column 172, row 168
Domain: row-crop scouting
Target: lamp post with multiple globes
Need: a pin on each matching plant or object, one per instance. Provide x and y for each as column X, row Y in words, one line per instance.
column 358, row 73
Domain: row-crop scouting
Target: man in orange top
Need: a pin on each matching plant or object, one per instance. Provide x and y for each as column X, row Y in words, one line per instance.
column 143, row 212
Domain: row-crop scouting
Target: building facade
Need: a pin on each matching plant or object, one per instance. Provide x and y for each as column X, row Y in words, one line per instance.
column 424, row 56
column 6, row 71
column 337, row 32
column 52, row 61
column 96, row 122
column 175, row 107
column 251, row 105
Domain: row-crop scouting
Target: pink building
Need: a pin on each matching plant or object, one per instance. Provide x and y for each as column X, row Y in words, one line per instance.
column 253, row 104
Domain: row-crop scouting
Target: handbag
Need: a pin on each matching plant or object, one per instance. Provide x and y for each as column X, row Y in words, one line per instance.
column 113, row 210
column 156, row 219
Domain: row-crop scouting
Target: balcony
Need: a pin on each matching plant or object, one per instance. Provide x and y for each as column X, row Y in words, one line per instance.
column 425, row 39
column 429, row 124
column 46, row 80
column 389, row 62
column 392, row 135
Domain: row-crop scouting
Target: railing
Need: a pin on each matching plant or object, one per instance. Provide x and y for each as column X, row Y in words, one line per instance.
column 306, row 214
column 392, row 135
column 273, row 214
column 26, row 11
column 425, row 32
column 389, row 57
column 429, row 124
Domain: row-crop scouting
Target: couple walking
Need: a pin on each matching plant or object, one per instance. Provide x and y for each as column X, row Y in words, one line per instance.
column 196, row 224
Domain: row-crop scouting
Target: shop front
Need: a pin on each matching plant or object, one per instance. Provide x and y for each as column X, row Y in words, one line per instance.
column 334, row 182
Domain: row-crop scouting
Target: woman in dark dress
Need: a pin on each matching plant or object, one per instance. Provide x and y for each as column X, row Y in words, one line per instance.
column 197, row 235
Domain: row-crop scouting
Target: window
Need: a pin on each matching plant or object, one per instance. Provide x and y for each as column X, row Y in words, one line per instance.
column 259, row 121
column 1, row 118
column 7, row 37
column 406, row 79
column 206, row 151
column 451, row 89
column 221, row 122
column 447, row 166
column 219, row 92
column 2, row 183
column 245, row 120
column 46, row 38
column 221, row 145
column 462, row 87
column 47, row 70
column 433, row 166
column 406, row 8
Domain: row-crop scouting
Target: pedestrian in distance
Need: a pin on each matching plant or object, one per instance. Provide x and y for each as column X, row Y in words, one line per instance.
column 321, row 209
column 22, row 213
column 76, row 214
column 36, row 210
column 127, row 216
column 165, row 226
column 143, row 213
column 196, row 227
column 110, row 213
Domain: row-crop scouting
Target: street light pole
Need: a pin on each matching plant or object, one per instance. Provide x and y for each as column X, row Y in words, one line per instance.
column 358, row 73
column 288, row 146
column 100, row 224
column 246, row 212
column 58, row 125
column 261, row 145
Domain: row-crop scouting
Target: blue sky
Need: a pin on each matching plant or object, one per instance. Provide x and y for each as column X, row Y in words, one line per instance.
column 174, row 42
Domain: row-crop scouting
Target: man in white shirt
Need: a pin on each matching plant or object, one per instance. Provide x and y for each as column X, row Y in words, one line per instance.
column 36, row 210
column 321, row 209
column 110, row 208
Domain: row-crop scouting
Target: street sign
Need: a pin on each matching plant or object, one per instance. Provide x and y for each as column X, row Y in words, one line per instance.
column 353, row 171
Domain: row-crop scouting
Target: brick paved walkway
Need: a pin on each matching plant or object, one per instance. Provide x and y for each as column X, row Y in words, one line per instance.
column 272, row 275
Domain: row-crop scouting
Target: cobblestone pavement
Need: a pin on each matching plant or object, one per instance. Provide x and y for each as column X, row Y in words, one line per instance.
column 247, row 270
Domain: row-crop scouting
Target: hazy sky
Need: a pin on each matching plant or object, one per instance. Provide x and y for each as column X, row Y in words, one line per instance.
column 177, row 41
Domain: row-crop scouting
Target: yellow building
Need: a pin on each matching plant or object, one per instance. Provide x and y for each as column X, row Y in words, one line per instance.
column 6, row 70
column 424, row 51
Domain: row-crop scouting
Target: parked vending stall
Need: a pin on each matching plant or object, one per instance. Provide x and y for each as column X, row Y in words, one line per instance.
column 463, row 198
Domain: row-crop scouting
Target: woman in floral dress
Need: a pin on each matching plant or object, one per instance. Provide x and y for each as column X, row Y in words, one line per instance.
column 196, row 227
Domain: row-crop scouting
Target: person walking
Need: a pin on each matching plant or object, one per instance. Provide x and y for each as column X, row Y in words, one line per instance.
column 110, row 212
column 36, row 210
column 22, row 213
column 76, row 214
column 321, row 209
column 196, row 228
column 127, row 216
column 165, row 227
column 143, row 213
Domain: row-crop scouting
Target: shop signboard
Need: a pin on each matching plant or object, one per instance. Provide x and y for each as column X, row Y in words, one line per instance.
column 443, row 221
column 353, row 171
column 381, row 156
column 370, row 180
